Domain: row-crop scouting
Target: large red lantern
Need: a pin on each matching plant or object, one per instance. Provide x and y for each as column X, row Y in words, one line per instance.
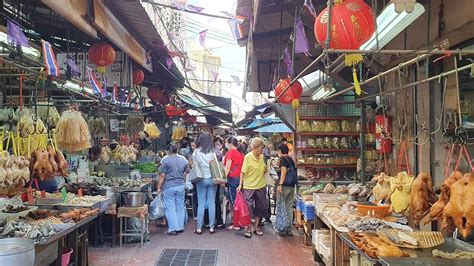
column 172, row 110
column 138, row 76
column 101, row 55
column 291, row 95
column 352, row 24
column 158, row 96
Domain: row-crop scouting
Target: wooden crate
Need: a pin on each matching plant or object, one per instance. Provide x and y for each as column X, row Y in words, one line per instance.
column 299, row 219
column 308, row 226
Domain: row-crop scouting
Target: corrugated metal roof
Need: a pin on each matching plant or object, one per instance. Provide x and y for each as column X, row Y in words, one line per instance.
column 136, row 20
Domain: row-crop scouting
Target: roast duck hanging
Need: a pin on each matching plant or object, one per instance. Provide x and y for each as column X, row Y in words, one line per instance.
column 422, row 197
column 45, row 163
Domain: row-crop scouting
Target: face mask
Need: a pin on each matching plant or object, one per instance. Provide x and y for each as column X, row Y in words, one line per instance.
column 227, row 146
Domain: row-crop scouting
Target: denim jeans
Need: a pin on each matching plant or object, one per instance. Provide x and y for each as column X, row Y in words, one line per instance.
column 206, row 192
column 175, row 209
column 233, row 183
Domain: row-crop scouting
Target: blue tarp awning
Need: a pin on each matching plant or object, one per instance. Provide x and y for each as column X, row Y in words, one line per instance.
column 275, row 128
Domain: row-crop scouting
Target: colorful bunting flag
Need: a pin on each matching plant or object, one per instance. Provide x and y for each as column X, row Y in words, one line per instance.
column 236, row 80
column 93, row 81
column 195, row 8
column 247, row 15
column 15, row 35
column 202, row 38
column 236, row 29
column 214, row 75
column 73, row 69
column 289, row 62
column 50, row 62
column 301, row 42
column 114, row 92
column 169, row 62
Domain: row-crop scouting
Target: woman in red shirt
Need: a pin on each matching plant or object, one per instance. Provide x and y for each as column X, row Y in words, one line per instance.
column 233, row 164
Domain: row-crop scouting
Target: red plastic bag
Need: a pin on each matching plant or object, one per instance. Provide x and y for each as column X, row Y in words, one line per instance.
column 241, row 211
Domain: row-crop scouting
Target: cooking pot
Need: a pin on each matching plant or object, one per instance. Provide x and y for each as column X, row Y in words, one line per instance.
column 134, row 199
column 17, row 251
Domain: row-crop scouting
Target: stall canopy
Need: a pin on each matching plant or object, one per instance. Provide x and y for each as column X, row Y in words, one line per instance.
column 275, row 128
column 214, row 113
column 259, row 122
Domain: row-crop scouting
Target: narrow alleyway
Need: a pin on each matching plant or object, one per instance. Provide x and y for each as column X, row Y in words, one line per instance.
column 233, row 248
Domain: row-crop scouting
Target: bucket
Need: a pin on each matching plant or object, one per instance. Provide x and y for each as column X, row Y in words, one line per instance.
column 17, row 251
column 66, row 256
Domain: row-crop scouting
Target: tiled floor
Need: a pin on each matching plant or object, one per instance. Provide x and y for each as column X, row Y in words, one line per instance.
column 234, row 249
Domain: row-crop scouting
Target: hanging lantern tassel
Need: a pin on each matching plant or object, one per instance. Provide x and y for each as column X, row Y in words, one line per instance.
column 101, row 70
column 295, row 103
column 357, row 88
column 353, row 60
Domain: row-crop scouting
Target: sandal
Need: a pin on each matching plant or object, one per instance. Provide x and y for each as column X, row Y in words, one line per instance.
column 231, row 227
column 212, row 231
column 248, row 235
column 258, row 232
column 197, row 231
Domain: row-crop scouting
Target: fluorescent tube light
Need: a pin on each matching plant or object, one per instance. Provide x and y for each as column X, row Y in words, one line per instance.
column 390, row 24
column 34, row 53
column 323, row 92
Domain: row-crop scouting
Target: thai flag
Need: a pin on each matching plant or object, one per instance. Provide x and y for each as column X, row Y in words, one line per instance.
column 52, row 68
column 96, row 87
column 236, row 29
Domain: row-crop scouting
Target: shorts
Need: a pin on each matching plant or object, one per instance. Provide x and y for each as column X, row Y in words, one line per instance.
column 257, row 201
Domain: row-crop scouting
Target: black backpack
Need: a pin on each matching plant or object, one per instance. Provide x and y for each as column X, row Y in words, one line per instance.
column 291, row 178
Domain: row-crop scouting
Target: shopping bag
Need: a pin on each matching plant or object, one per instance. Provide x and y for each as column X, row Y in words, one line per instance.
column 157, row 208
column 282, row 222
column 241, row 211
column 217, row 171
column 196, row 173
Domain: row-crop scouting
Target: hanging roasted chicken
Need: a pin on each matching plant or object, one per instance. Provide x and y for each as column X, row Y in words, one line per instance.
column 401, row 187
column 436, row 211
column 460, row 208
column 382, row 189
column 422, row 197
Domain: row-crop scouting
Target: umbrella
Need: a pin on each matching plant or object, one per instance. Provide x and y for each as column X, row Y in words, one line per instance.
column 275, row 128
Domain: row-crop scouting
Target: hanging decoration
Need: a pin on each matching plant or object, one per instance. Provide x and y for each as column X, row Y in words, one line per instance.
column 15, row 35
column 291, row 95
column 52, row 68
column 158, row 95
column 352, row 24
column 172, row 110
column 96, row 87
column 138, row 76
column 101, row 55
column 202, row 38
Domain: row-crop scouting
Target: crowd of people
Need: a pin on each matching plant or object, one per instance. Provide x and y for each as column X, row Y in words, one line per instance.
column 245, row 167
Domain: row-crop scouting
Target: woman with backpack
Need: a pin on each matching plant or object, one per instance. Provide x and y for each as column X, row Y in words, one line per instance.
column 286, row 184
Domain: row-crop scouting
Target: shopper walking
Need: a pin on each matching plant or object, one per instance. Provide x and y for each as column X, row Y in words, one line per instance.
column 220, row 151
column 206, row 189
column 252, row 182
column 173, row 169
column 233, row 165
column 285, row 191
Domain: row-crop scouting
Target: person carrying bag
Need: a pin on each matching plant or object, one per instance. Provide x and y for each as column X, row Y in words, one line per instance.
column 286, row 190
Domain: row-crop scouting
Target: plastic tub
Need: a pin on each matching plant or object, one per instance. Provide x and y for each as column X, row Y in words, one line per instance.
column 66, row 257
column 17, row 251
column 373, row 211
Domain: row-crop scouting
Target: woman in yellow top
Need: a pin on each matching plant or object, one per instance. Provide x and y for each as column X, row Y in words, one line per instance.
column 253, row 183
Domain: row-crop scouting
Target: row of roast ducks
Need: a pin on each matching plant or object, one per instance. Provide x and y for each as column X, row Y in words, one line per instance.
column 43, row 164
column 416, row 197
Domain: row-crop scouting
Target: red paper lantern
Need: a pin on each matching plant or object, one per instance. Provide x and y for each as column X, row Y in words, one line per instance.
column 291, row 95
column 101, row 55
column 190, row 118
column 172, row 110
column 352, row 24
column 138, row 76
column 158, row 96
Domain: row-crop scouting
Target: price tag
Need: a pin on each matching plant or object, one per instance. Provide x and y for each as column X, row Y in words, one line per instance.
column 43, row 194
column 64, row 194
column 29, row 194
column 79, row 192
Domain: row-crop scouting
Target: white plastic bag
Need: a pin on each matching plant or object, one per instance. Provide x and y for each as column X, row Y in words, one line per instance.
column 157, row 208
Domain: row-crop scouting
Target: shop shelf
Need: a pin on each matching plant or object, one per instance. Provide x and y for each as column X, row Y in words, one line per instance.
column 329, row 117
column 327, row 150
column 328, row 165
column 333, row 134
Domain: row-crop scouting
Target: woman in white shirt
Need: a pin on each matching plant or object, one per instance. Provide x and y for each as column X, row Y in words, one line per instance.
column 206, row 189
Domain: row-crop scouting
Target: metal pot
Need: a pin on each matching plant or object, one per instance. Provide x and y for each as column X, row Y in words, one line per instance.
column 17, row 251
column 135, row 199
